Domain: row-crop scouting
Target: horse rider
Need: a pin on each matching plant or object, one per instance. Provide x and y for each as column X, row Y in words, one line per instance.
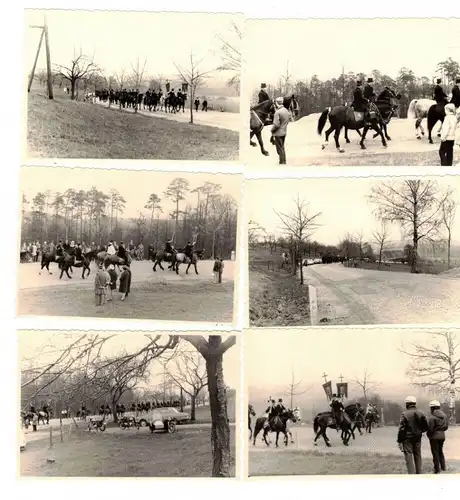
column 368, row 91
column 66, row 245
column 71, row 249
column 270, row 412
column 151, row 250
column 78, row 253
column 188, row 250
column 280, row 408
column 169, row 247
column 360, row 104
column 122, row 251
column 111, row 248
column 263, row 96
column 369, row 409
column 337, row 409
column 59, row 251
column 455, row 100
column 439, row 95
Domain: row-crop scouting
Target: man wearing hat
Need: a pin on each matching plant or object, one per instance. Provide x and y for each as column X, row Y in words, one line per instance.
column 437, row 426
column 281, row 120
column 369, row 90
column 456, row 93
column 412, row 425
column 360, row 104
column 263, row 96
column 438, row 93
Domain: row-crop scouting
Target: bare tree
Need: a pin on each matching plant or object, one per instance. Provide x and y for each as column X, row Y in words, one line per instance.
column 230, row 53
column 254, row 233
column 381, row 236
column 80, row 67
column 300, row 226
column 366, row 384
column 213, row 350
column 435, row 366
column 137, row 79
column 188, row 371
column 294, row 389
column 449, row 209
column 415, row 205
column 194, row 77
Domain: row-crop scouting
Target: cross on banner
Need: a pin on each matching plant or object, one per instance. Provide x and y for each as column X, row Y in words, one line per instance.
column 341, row 378
column 325, row 377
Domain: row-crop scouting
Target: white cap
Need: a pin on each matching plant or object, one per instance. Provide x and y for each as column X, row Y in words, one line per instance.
column 435, row 402
column 411, row 399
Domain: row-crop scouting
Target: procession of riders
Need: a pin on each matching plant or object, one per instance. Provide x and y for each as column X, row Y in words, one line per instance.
column 364, row 99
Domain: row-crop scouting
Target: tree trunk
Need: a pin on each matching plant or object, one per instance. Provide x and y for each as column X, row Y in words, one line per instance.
column 380, row 255
column 220, row 430
column 114, row 411
column 449, row 242
column 193, row 409
column 192, row 98
column 72, row 89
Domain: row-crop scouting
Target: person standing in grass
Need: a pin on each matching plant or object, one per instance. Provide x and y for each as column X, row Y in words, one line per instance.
column 125, row 282
column 113, row 281
column 100, row 284
column 216, row 269
column 221, row 270
column 438, row 424
column 448, row 129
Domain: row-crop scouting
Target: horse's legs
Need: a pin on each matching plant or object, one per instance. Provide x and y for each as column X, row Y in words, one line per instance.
column 347, row 140
column 196, row 269
column 67, row 272
column 326, row 136
column 326, row 439
column 336, row 138
column 62, row 272
column 188, row 267
column 277, row 437
column 261, row 142
column 177, row 267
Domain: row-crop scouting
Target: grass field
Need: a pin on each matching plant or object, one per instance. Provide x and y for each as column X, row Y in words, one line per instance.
column 124, row 454
column 435, row 268
column 276, row 298
column 319, row 463
column 62, row 128
column 147, row 300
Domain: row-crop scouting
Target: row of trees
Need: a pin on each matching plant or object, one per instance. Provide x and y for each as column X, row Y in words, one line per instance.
column 81, row 371
column 94, row 215
column 314, row 95
column 424, row 211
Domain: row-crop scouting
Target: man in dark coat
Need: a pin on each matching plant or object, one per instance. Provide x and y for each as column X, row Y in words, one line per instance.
column 263, row 96
column 368, row 92
column 336, row 410
column 412, row 425
column 439, row 95
column 78, row 253
column 456, row 93
column 122, row 252
column 169, row 247
column 438, row 423
column 125, row 282
column 360, row 104
column 188, row 251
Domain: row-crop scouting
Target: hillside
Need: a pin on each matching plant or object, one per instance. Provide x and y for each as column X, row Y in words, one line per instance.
column 62, row 128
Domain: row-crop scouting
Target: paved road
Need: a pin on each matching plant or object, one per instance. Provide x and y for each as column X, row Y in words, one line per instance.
column 303, row 144
column 229, row 121
column 348, row 296
column 29, row 277
column 382, row 440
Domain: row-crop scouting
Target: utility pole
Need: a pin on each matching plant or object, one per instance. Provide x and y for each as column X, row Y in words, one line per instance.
column 44, row 34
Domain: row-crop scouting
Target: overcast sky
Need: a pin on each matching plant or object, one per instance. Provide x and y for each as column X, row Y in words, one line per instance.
column 38, row 345
column 322, row 46
column 335, row 352
column 117, row 39
column 134, row 185
column 342, row 201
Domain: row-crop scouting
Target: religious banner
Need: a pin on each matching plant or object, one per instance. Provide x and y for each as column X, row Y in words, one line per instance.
column 185, row 87
column 342, row 389
column 328, row 390
column 168, row 87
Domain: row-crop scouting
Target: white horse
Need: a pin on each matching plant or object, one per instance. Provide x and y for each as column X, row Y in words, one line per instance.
column 418, row 110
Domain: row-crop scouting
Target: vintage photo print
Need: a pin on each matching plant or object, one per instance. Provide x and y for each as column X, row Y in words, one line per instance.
column 132, row 85
column 132, row 404
column 321, row 97
column 351, row 251
column 128, row 244
column 351, row 402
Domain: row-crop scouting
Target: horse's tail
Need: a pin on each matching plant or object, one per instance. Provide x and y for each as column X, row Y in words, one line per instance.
column 412, row 110
column 322, row 120
column 316, row 424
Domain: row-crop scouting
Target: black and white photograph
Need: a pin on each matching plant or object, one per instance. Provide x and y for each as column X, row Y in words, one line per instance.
column 344, row 92
column 130, row 244
column 351, row 251
column 127, row 405
column 133, row 85
column 351, row 402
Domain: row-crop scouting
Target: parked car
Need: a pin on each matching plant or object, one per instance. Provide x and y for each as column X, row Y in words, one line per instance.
column 179, row 416
column 308, row 262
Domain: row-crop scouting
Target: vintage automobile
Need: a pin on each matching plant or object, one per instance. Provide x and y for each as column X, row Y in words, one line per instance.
column 96, row 422
column 158, row 421
column 167, row 413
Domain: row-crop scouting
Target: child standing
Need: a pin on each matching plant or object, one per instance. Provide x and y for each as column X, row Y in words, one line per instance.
column 449, row 126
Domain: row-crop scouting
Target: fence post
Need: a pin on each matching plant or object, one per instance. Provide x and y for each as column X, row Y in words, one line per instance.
column 60, row 429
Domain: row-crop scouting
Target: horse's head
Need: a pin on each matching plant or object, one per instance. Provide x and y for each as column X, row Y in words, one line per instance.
column 290, row 415
column 251, row 410
column 391, row 92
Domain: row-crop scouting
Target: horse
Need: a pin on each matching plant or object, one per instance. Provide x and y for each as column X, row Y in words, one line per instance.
column 159, row 257
column 277, row 424
column 344, row 116
column 180, row 258
column 251, row 413
column 429, row 109
column 44, row 416
column 68, row 262
column 347, row 426
column 259, row 117
column 370, row 418
column 107, row 259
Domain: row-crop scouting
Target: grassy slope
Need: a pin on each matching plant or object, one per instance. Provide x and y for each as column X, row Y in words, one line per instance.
column 67, row 129
column 168, row 301
column 135, row 454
